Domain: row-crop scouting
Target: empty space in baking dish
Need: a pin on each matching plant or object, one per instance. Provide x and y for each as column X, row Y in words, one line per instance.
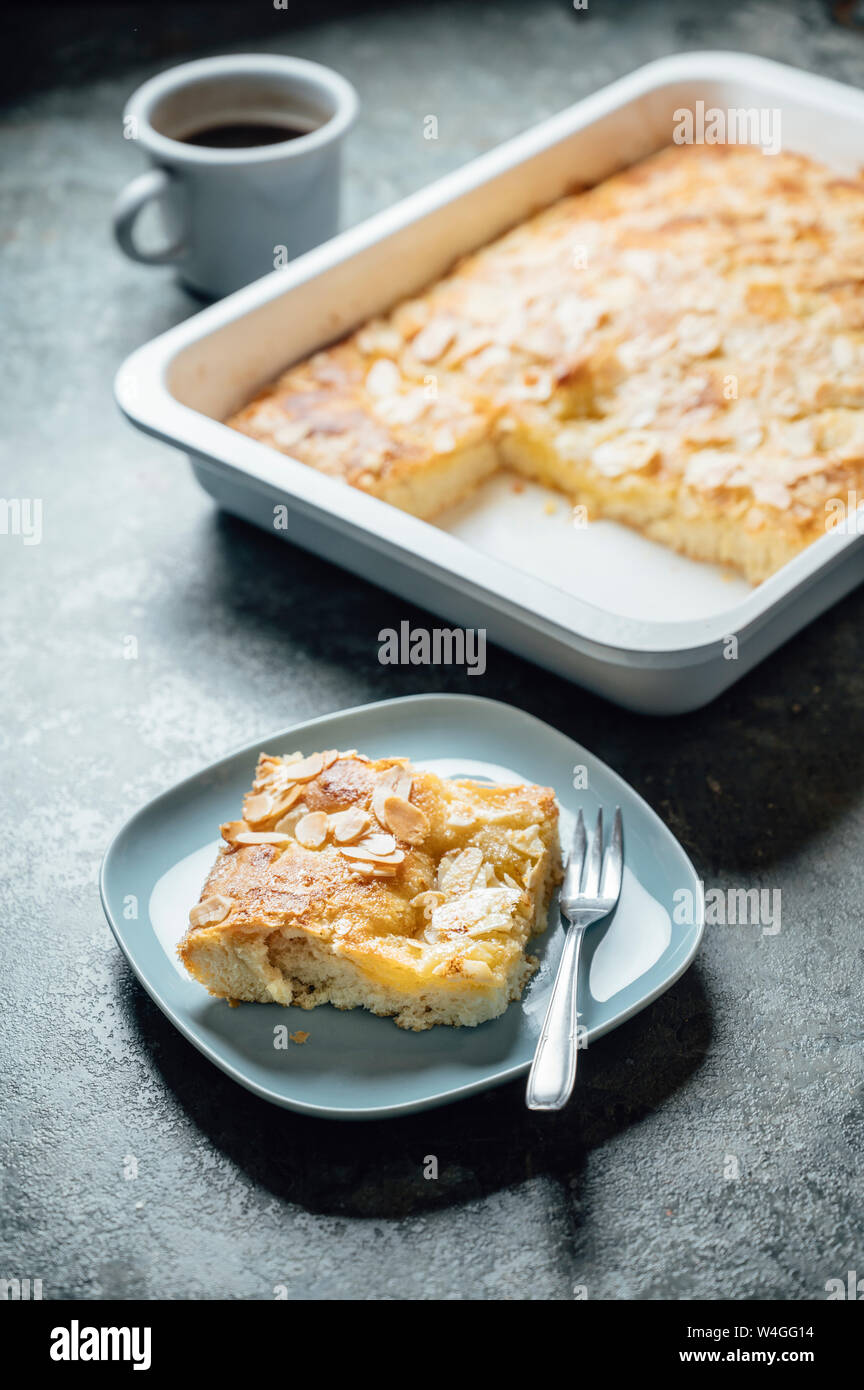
column 531, row 528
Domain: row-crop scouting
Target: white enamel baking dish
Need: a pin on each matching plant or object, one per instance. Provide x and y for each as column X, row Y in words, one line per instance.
column 602, row 606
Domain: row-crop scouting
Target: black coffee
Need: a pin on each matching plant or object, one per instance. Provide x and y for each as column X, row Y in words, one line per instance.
column 243, row 135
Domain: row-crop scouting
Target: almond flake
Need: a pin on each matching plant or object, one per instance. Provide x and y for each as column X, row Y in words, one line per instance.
column 396, row 781
column 288, row 823
column 305, row 769
column 383, row 378
column 375, row 849
column 379, row 844
column 284, row 800
column 403, row 410
column 476, row 970
column 428, row 901
column 211, row 910
column 629, row 454
column 367, row 869
column 291, row 432
column 378, row 336
column 459, row 874
column 232, row 829
column 407, row 822
column 311, row 831
column 349, row 825
column 257, row 808
column 433, row 340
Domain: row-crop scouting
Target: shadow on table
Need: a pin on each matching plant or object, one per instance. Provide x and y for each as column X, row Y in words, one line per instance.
column 482, row 1145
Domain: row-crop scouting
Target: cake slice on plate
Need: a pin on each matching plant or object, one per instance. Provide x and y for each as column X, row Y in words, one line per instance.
column 370, row 884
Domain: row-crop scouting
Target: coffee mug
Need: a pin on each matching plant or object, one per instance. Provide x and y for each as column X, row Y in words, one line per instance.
column 232, row 211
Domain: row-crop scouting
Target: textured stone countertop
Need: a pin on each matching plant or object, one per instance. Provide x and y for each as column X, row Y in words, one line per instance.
column 756, row 1053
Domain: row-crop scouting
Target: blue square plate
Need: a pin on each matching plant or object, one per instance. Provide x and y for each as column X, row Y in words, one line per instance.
column 355, row 1065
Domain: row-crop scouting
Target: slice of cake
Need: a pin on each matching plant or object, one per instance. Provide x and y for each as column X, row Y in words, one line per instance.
column 361, row 883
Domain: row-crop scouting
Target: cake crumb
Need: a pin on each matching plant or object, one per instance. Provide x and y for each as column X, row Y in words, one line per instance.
column 299, row 1037
column 551, row 508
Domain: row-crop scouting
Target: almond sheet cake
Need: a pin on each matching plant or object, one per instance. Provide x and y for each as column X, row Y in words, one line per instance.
column 363, row 883
column 680, row 348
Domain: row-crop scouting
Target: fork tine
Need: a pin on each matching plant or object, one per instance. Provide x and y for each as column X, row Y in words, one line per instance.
column 613, row 864
column 591, row 881
column 576, row 858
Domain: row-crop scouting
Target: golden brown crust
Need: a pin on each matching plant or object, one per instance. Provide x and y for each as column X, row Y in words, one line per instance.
column 688, row 335
column 416, row 883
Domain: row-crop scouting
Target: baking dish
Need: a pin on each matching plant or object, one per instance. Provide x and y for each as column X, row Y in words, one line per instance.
column 604, row 607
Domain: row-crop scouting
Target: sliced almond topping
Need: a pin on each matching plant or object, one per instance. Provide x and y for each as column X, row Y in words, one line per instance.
column 629, row 454
column 383, row 378
column 284, row 800
column 291, row 432
column 213, row 909
column 349, row 825
column 231, row 829
column 292, row 818
column 396, row 781
column 257, row 808
column 428, row 901
column 361, row 870
column 330, row 757
column 407, row 822
column 433, row 340
column 377, row 844
column 267, row 766
column 261, row 837
column 476, row 970
column 311, row 831
column 376, row 849
column 305, row 769
column 458, row 875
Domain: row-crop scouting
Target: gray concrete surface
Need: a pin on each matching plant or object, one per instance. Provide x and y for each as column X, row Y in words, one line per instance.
column 757, row 1053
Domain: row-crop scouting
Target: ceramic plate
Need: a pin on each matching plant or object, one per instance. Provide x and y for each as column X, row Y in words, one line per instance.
column 354, row 1065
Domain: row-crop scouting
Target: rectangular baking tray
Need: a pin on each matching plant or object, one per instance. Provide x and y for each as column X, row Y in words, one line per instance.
column 602, row 606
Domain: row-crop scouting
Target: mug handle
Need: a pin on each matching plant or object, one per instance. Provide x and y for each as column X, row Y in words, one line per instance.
column 153, row 184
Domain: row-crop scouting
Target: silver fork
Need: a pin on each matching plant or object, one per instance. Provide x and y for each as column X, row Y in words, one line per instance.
column 591, row 888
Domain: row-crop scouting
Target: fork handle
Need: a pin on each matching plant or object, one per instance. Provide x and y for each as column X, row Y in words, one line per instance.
column 553, row 1071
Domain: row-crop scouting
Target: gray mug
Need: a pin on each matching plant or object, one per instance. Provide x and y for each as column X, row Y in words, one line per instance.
column 230, row 215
